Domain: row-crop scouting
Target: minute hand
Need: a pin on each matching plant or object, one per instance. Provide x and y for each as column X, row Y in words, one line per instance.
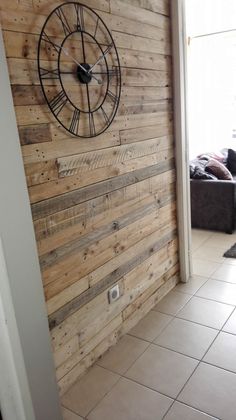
column 101, row 57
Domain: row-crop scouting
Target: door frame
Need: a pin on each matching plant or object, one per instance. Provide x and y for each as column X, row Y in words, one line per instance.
column 179, row 54
column 28, row 387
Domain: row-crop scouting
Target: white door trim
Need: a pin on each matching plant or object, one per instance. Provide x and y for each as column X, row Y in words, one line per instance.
column 179, row 41
column 26, row 352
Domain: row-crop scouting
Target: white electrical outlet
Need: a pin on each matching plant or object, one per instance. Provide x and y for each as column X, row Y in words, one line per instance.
column 114, row 293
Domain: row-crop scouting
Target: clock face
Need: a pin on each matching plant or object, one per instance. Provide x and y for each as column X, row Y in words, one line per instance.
column 79, row 69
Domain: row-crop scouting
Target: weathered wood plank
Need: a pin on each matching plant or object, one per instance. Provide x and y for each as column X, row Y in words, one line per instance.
column 135, row 282
column 141, row 134
column 42, row 7
column 34, row 134
column 144, row 60
column 75, row 356
column 62, row 185
column 145, row 108
column 67, row 147
column 97, row 288
column 73, row 198
column 77, row 164
column 134, row 42
column 78, row 265
column 139, row 77
column 65, row 383
column 141, row 95
column 93, row 315
column 27, row 95
column 158, row 6
column 121, row 8
column 62, row 227
column 79, row 262
column 39, row 173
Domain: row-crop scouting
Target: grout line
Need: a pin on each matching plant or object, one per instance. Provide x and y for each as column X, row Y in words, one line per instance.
column 201, row 361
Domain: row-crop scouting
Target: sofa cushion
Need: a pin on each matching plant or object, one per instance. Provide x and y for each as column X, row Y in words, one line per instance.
column 231, row 161
column 218, row 169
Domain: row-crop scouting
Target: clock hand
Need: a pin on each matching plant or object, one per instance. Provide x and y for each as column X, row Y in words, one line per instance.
column 101, row 57
column 82, row 67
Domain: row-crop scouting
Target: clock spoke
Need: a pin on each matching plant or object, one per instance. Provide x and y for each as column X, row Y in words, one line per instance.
column 114, row 98
column 105, row 115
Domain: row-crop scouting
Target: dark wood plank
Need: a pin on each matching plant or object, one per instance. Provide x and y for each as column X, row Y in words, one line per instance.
column 53, row 205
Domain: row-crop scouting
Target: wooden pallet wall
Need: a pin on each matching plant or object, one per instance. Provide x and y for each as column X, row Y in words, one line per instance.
column 112, row 220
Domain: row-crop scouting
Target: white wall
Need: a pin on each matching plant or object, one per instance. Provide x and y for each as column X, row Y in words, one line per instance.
column 211, row 75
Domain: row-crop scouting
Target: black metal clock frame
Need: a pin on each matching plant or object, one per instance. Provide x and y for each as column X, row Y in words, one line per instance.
column 60, row 100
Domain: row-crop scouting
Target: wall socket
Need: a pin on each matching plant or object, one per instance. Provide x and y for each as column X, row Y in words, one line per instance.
column 114, row 293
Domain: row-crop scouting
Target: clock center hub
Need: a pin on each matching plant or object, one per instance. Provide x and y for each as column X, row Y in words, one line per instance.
column 83, row 75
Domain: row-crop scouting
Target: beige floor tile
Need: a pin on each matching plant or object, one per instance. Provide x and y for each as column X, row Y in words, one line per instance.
column 120, row 357
column 220, row 240
column 186, row 337
column 89, row 390
column 182, row 412
column 229, row 261
column 199, row 237
column 151, row 326
column 209, row 253
column 131, row 401
column 68, row 415
column 204, row 268
column 211, row 390
column 225, row 273
column 192, row 286
column 230, row 325
column 172, row 303
column 206, row 312
column 219, row 291
column 223, row 352
column 162, row 370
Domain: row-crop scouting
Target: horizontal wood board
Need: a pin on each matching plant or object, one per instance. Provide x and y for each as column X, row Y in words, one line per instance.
column 104, row 209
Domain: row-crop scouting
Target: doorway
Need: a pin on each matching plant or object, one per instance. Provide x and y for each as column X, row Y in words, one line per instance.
column 210, row 51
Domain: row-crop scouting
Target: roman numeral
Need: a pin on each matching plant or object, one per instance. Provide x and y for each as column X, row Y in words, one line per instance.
column 105, row 115
column 47, row 39
column 74, row 125
column 49, row 74
column 58, row 102
column 92, row 124
column 80, row 17
column 112, row 96
column 61, row 16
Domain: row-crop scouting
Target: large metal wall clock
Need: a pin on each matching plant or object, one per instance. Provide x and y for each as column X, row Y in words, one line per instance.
column 79, row 69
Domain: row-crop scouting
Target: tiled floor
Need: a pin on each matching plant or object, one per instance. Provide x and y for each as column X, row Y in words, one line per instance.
column 179, row 362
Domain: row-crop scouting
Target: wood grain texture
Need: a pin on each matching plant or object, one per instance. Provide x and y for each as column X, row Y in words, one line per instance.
column 104, row 209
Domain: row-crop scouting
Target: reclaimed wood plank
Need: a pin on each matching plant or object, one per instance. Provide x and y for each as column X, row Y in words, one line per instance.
column 34, row 134
column 53, row 205
column 121, row 8
column 77, row 164
column 62, row 185
column 97, row 288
